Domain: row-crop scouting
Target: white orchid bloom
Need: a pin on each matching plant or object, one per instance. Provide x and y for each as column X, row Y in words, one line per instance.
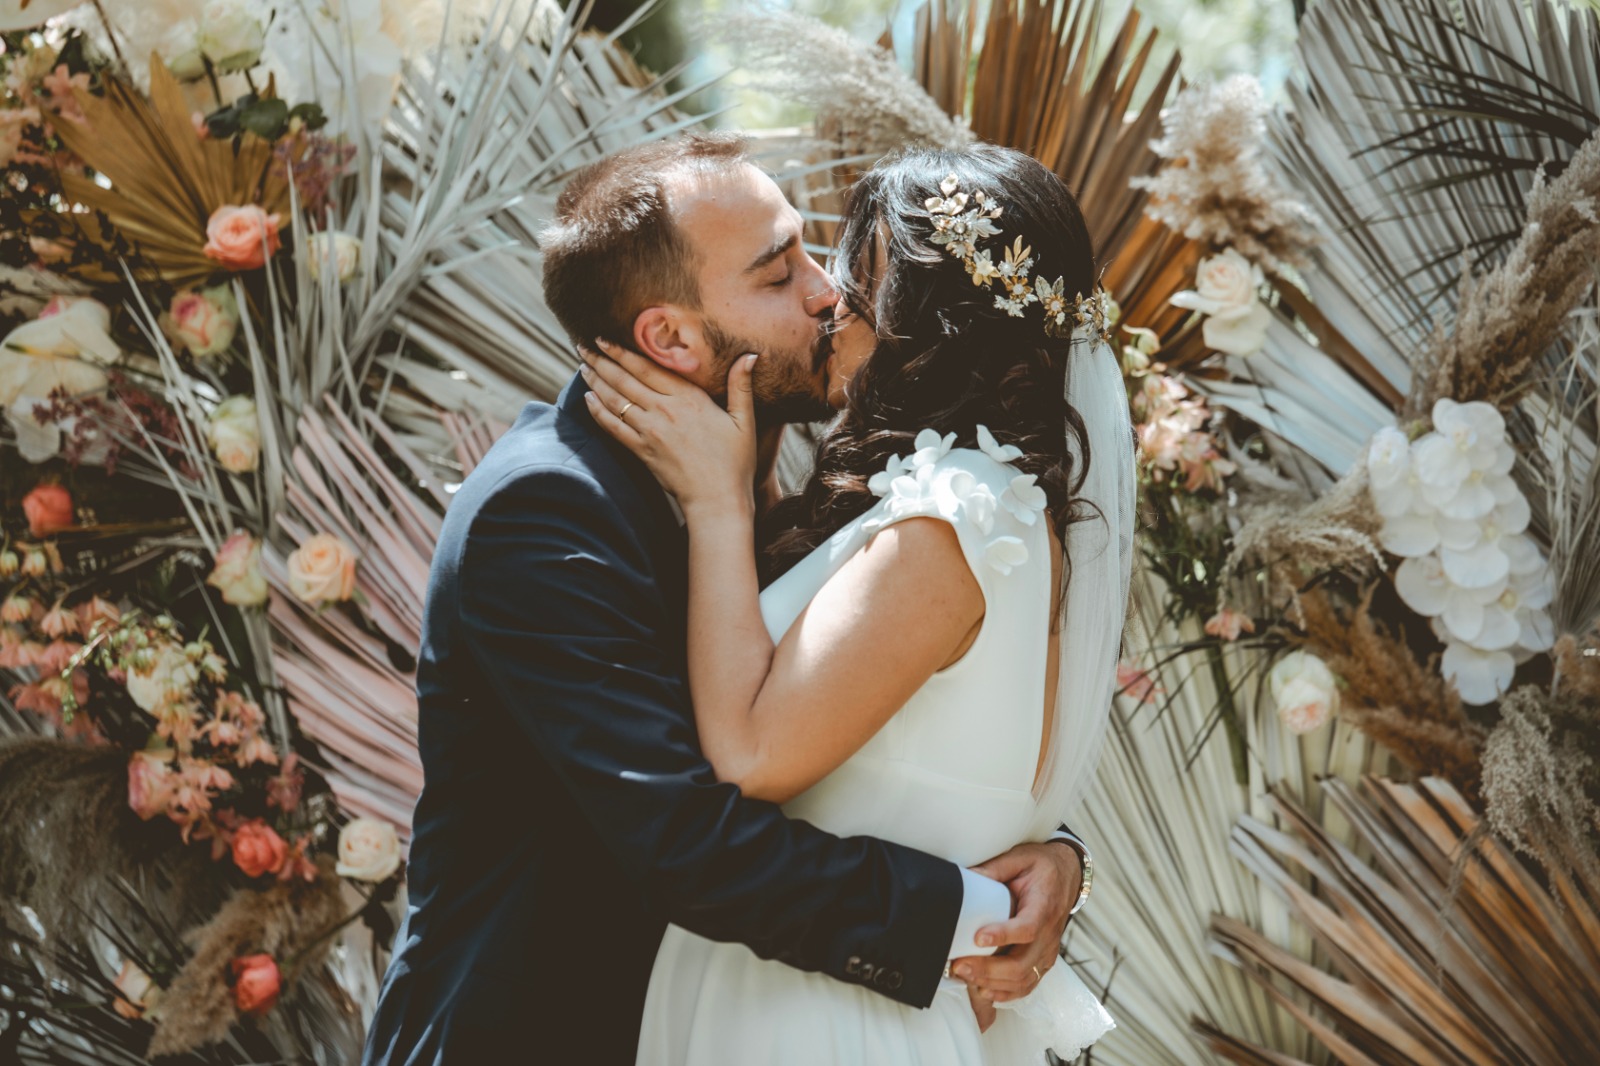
column 1480, row 676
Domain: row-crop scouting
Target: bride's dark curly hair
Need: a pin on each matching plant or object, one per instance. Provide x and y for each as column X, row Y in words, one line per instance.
column 947, row 357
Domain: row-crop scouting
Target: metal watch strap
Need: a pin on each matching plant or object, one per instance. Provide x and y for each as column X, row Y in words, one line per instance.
column 1075, row 842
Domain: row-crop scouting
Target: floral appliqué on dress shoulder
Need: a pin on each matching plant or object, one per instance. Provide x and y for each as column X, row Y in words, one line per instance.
column 918, row 485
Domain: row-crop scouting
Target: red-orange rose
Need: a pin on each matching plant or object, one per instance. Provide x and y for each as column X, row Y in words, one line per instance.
column 48, row 507
column 255, row 984
column 257, row 849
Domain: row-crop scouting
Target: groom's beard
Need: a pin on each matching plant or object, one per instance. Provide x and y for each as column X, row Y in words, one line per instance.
column 788, row 383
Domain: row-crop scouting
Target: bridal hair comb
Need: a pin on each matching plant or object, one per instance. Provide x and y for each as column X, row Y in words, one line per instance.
column 960, row 221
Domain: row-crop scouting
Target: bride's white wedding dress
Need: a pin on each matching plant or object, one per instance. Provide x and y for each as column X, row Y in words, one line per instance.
column 952, row 773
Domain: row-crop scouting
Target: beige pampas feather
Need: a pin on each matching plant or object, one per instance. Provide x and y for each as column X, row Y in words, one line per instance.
column 859, row 93
column 1510, row 316
column 1214, row 188
column 284, row 921
column 1284, row 544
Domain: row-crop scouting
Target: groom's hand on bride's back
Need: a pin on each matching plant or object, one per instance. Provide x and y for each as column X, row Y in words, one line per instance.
column 1044, row 881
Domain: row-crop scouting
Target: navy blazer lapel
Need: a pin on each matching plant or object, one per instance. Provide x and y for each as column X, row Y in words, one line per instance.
column 666, row 537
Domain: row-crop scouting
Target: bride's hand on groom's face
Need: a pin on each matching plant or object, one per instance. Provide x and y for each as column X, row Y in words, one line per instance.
column 704, row 455
column 1044, row 880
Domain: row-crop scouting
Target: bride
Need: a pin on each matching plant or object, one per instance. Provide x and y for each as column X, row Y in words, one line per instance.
column 932, row 658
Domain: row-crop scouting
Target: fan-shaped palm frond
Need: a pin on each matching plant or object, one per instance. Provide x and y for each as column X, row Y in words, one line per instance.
column 1164, row 799
column 1489, row 967
column 475, row 156
column 1067, row 83
column 1414, row 131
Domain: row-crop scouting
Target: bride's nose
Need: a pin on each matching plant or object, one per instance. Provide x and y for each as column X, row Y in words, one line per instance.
column 821, row 294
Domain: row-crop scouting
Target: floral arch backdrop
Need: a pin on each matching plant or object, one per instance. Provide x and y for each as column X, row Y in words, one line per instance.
column 265, row 292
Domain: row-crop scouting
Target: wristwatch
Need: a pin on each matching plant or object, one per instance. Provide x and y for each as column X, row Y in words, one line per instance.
column 1075, row 842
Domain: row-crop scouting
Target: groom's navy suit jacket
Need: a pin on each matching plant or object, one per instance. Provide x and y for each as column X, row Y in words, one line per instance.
column 568, row 813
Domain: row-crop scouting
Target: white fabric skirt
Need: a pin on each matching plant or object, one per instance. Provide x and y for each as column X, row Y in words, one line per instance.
column 713, row 1004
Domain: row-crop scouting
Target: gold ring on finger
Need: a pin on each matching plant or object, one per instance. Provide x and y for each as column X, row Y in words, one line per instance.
column 623, row 414
column 1037, row 975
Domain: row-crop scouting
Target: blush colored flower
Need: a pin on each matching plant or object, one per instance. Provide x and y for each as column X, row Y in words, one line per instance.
column 235, row 435
column 256, row 984
column 322, row 570
column 258, row 849
column 1305, row 691
column 241, row 238
column 204, row 321
column 48, row 508
column 1136, row 684
column 1228, row 624
column 17, row 608
column 238, row 571
column 59, row 622
column 150, row 783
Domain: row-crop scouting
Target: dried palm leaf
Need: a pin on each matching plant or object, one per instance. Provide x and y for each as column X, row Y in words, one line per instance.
column 1415, row 129
column 165, row 179
column 475, row 156
column 1164, row 799
column 1435, row 966
column 1066, row 83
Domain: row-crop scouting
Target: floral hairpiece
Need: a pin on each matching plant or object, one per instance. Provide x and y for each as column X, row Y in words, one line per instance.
column 959, row 228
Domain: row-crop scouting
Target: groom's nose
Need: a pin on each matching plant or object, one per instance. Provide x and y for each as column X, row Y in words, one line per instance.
column 821, row 293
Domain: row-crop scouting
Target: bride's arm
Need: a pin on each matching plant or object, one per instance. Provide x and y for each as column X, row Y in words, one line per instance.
column 777, row 720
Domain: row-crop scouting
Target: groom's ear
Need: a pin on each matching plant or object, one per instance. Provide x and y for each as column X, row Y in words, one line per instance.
column 669, row 336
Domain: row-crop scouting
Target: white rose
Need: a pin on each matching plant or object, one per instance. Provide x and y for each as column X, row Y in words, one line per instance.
column 170, row 677
column 235, row 435
column 340, row 249
column 230, row 36
column 369, row 850
column 322, row 569
column 1226, row 291
column 1305, row 691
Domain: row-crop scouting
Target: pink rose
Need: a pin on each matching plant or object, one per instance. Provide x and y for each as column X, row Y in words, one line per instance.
column 205, row 321
column 241, row 238
column 238, row 571
column 150, row 783
column 255, row 984
column 258, row 849
column 322, row 570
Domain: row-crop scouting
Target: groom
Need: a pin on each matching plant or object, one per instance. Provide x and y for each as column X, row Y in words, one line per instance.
column 568, row 813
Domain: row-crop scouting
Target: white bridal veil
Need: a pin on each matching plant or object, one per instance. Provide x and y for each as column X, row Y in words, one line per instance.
column 1100, row 549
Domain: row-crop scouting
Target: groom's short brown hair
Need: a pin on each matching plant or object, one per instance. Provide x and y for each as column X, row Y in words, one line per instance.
column 613, row 248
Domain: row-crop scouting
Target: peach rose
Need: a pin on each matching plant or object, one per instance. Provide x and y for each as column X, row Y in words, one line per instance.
column 205, row 321
column 241, row 238
column 238, row 571
column 235, row 434
column 255, row 984
column 48, row 507
column 369, row 850
column 150, row 783
column 258, row 849
column 322, row 570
